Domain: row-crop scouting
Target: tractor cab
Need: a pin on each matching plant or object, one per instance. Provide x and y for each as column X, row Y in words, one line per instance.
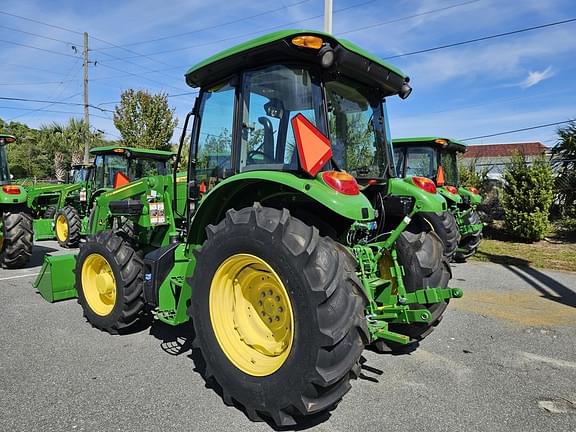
column 79, row 173
column 437, row 159
column 302, row 103
column 4, row 172
column 116, row 166
column 431, row 157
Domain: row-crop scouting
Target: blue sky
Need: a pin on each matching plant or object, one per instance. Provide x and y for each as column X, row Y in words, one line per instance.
column 502, row 84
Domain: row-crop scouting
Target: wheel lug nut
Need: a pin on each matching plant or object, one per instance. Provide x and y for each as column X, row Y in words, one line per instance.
column 280, row 309
column 270, row 319
column 270, row 292
column 277, row 298
column 277, row 318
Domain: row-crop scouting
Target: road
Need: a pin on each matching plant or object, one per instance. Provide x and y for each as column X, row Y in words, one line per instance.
column 503, row 359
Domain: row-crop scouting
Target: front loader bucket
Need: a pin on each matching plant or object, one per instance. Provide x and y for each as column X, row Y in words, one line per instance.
column 56, row 279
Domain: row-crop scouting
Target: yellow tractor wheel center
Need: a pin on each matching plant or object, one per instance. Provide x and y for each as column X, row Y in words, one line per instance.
column 251, row 314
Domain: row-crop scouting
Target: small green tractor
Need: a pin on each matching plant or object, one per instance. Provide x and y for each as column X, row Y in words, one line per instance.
column 436, row 158
column 62, row 211
column 287, row 266
column 16, row 235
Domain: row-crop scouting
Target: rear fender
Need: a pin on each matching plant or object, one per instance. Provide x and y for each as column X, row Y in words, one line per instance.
column 424, row 201
column 244, row 189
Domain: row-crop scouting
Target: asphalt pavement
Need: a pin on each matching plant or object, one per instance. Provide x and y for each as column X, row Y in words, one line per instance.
column 503, row 359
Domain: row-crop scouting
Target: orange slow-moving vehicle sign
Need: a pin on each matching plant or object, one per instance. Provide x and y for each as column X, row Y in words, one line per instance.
column 314, row 148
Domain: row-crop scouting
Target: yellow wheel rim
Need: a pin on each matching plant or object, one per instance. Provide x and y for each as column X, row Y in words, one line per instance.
column 98, row 284
column 251, row 314
column 61, row 228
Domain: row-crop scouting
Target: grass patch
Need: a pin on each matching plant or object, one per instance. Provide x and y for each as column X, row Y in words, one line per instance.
column 550, row 253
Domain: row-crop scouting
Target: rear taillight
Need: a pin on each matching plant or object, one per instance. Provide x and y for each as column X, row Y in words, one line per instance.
column 424, row 184
column 11, row 189
column 341, row 182
column 451, row 189
column 473, row 190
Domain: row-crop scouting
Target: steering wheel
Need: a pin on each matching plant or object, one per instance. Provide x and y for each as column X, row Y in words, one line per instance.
column 265, row 158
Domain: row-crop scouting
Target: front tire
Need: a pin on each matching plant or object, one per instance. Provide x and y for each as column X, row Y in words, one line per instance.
column 68, row 227
column 278, row 314
column 17, row 239
column 109, row 282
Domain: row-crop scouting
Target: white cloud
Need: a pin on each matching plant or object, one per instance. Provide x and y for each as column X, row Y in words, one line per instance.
column 534, row 77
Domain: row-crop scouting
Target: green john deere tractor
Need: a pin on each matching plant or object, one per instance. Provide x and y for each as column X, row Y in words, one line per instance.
column 287, row 266
column 63, row 211
column 436, row 158
column 16, row 237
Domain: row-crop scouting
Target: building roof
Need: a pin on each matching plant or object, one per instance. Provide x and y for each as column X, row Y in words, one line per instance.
column 505, row 150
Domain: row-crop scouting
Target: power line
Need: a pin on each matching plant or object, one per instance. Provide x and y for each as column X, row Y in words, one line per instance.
column 75, row 32
column 38, row 48
column 40, row 22
column 49, row 111
column 518, row 130
column 140, row 75
column 50, row 102
column 35, row 83
column 60, row 92
column 481, row 39
column 428, row 12
column 168, row 95
column 211, row 27
column 260, row 31
column 38, row 35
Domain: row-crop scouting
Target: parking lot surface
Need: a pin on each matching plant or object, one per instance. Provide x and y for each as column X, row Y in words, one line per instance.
column 503, row 359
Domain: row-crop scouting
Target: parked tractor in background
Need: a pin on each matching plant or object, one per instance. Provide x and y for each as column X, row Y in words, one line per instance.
column 62, row 211
column 16, row 236
column 436, row 158
column 287, row 266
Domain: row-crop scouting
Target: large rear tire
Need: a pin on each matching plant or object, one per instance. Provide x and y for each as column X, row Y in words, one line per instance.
column 17, row 239
column 68, row 227
column 278, row 313
column 425, row 266
column 109, row 282
column 469, row 243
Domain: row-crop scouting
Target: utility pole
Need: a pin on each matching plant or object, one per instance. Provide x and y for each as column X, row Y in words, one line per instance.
column 86, row 104
column 328, row 16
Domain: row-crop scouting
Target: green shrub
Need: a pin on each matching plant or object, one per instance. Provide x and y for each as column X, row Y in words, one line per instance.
column 528, row 195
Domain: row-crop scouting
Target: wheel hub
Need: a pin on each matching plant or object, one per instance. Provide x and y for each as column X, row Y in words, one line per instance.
column 61, row 228
column 251, row 314
column 98, row 284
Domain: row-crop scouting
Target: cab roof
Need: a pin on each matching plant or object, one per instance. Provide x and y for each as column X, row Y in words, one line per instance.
column 431, row 140
column 135, row 151
column 277, row 47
